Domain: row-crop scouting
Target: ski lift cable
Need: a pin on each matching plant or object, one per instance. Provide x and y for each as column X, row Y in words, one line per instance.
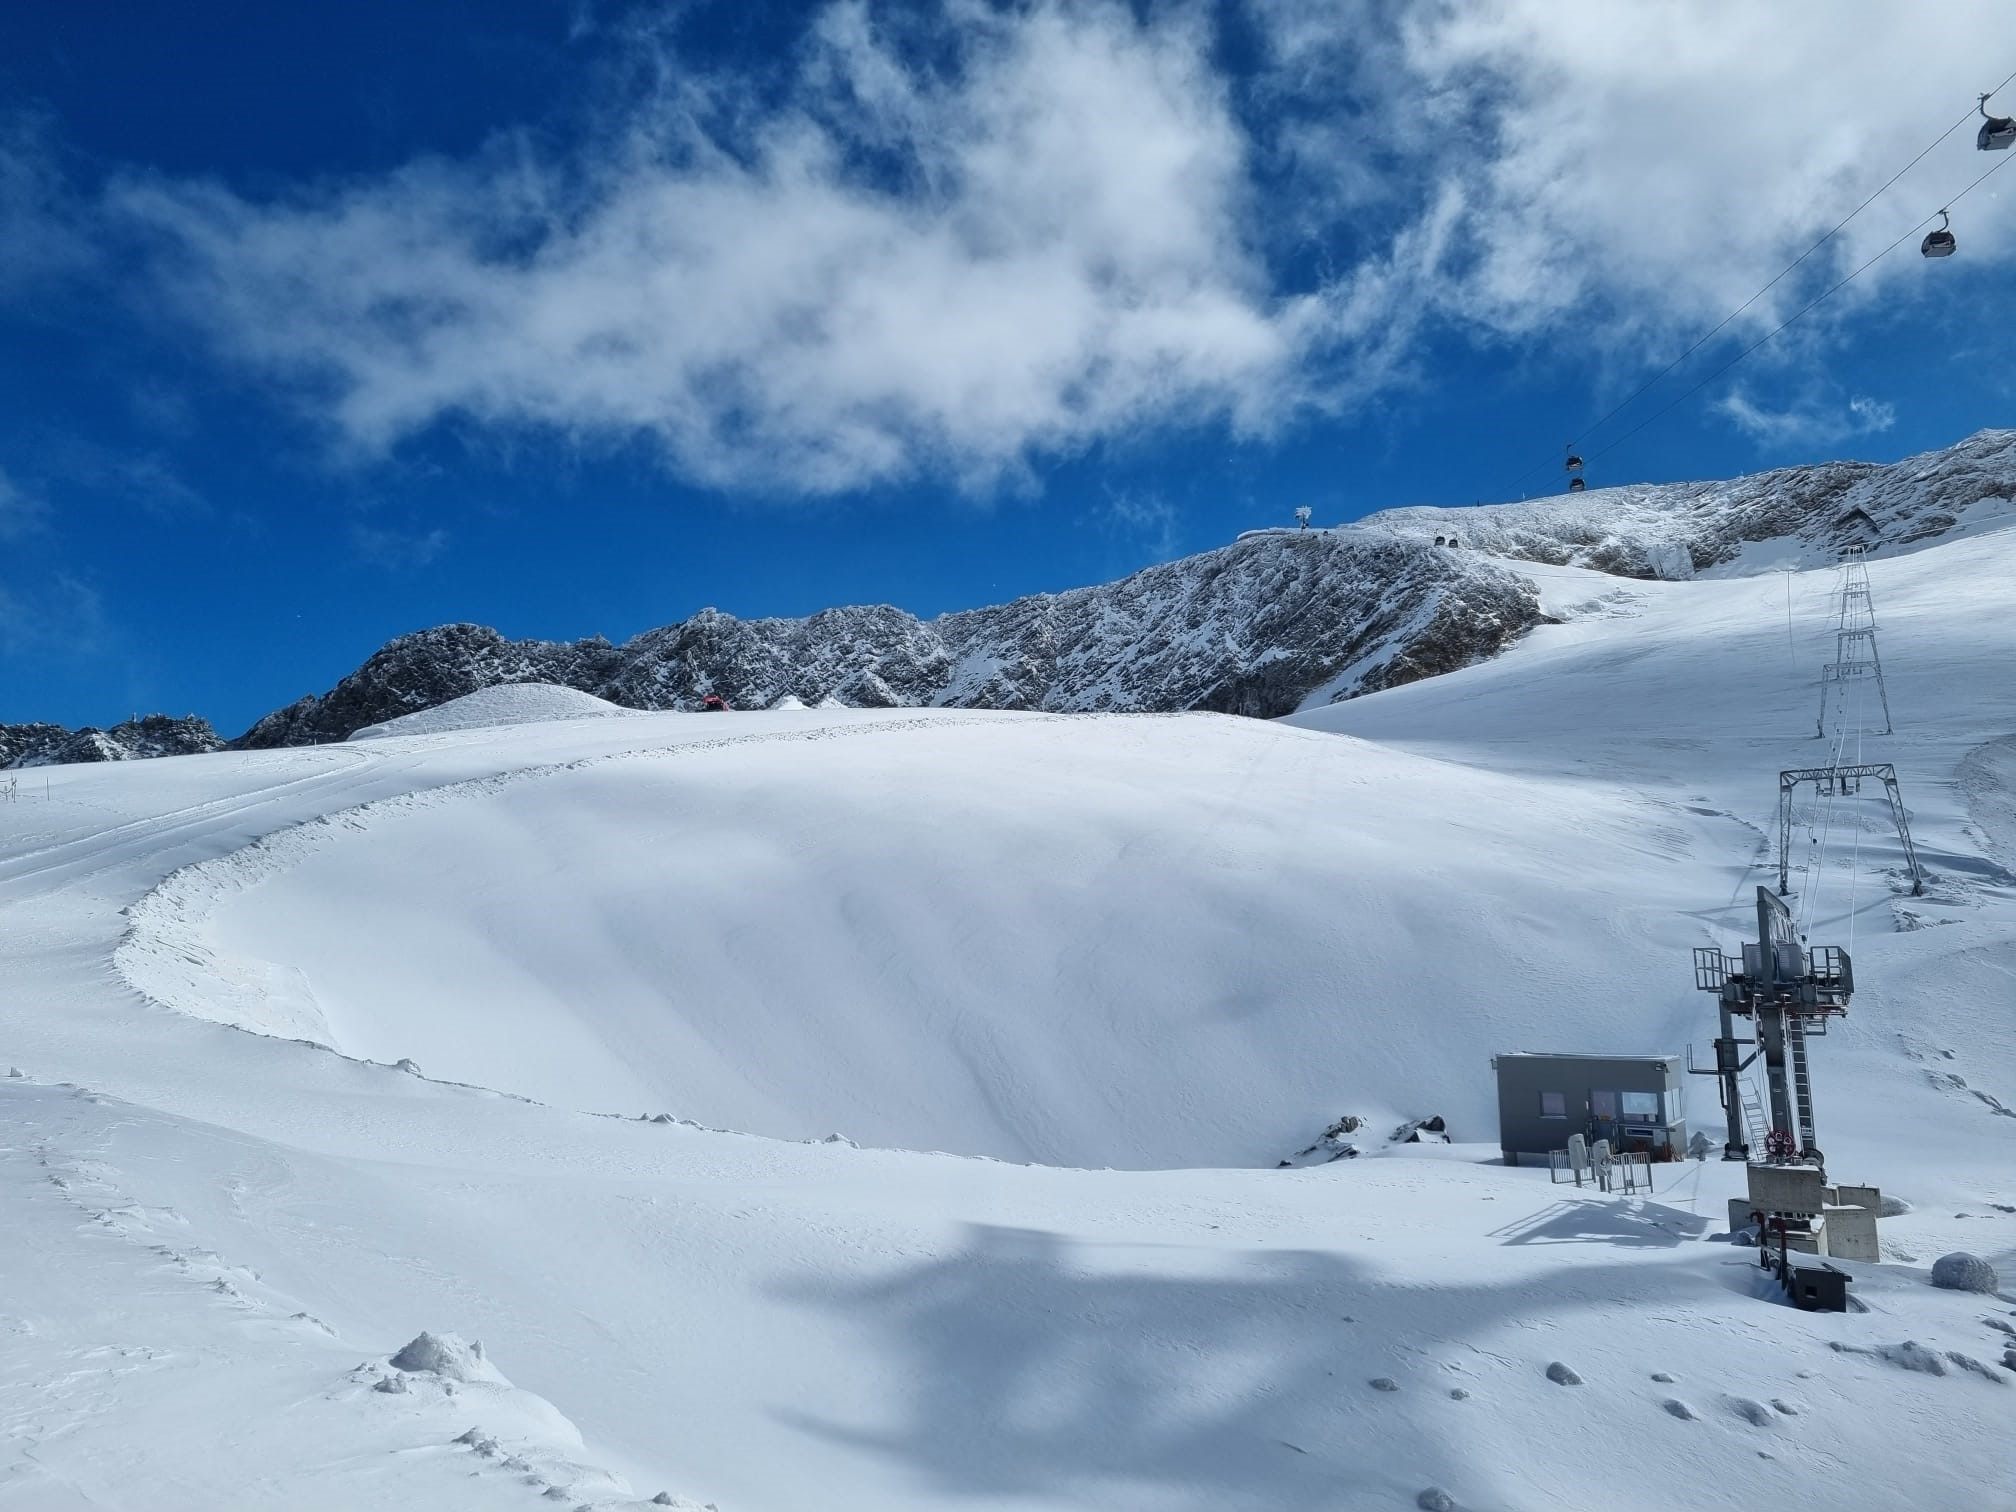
column 1808, row 911
column 1783, row 273
column 1791, row 640
column 1803, row 310
column 1848, row 713
column 1817, row 855
column 1855, row 855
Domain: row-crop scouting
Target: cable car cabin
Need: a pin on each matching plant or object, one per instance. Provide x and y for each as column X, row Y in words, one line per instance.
column 1574, row 485
column 1939, row 243
column 1574, row 463
column 1997, row 132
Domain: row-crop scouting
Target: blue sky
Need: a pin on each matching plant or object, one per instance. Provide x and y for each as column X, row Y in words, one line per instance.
column 320, row 324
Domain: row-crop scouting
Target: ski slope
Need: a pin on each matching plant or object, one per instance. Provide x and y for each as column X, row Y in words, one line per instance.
column 1127, row 941
column 536, row 1033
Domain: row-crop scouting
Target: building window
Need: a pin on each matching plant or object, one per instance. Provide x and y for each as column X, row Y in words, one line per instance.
column 1641, row 1104
column 1603, row 1104
column 1553, row 1105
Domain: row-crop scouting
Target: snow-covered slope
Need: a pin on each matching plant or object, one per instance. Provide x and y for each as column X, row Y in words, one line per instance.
column 1118, row 941
column 510, row 704
column 1104, row 940
column 1793, row 516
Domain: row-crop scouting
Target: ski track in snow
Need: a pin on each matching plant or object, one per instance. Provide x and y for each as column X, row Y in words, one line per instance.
column 212, row 1257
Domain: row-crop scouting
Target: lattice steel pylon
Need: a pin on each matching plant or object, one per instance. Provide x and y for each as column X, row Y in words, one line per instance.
column 1854, row 641
column 1843, row 782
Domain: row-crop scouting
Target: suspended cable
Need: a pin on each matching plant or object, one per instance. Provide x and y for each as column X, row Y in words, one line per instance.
column 1816, row 869
column 1805, row 309
column 1791, row 641
column 1855, row 857
column 1782, row 274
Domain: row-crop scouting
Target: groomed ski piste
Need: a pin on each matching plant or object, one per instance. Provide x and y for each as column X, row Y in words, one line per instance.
column 832, row 1109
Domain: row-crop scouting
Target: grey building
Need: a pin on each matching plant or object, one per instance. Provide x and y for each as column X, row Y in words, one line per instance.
column 1637, row 1102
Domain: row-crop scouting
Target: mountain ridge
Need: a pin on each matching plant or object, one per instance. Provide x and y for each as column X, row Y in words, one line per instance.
column 1272, row 622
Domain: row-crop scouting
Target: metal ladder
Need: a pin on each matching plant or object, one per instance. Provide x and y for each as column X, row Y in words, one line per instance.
column 1802, row 1085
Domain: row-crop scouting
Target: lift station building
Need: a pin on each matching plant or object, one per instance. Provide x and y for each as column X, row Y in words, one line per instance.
column 1637, row 1102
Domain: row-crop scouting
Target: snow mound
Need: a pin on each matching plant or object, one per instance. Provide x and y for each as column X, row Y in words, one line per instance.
column 789, row 701
column 512, row 704
column 1961, row 1271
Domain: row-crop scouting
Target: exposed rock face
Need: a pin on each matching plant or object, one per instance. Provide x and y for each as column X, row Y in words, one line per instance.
column 31, row 745
column 1255, row 628
column 427, row 668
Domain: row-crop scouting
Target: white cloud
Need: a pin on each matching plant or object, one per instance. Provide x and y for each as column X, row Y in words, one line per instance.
column 949, row 243
column 1632, row 168
column 905, row 269
column 1812, row 419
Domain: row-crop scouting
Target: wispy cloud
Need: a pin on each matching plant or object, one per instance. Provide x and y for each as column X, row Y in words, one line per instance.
column 61, row 614
column 398, row 550
column 1813, row 418
column 48, row 230
column 143, row 479
column 20, row 510
column 1146, row 519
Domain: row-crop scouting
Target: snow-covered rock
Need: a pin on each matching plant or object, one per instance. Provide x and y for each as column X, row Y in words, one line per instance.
column 1333, row 1144
column 448, row 1356
column 1252, row 628
column 1675, row 530
column 34, row 745
column 1961, row 1271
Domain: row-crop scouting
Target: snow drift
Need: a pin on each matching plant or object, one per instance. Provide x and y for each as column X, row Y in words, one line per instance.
column 511, row 704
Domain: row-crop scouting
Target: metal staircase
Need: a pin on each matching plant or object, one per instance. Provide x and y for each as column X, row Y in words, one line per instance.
column 1755, row 1124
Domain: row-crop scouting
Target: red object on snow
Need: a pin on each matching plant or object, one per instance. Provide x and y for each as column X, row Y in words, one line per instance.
column 713, row 703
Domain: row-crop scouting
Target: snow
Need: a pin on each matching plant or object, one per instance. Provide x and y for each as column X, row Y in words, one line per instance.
column 511, row 704
column 1116, row 967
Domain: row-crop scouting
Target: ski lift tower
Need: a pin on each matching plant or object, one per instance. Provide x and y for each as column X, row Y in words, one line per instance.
column 1855, row 657
column 1788, row 993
